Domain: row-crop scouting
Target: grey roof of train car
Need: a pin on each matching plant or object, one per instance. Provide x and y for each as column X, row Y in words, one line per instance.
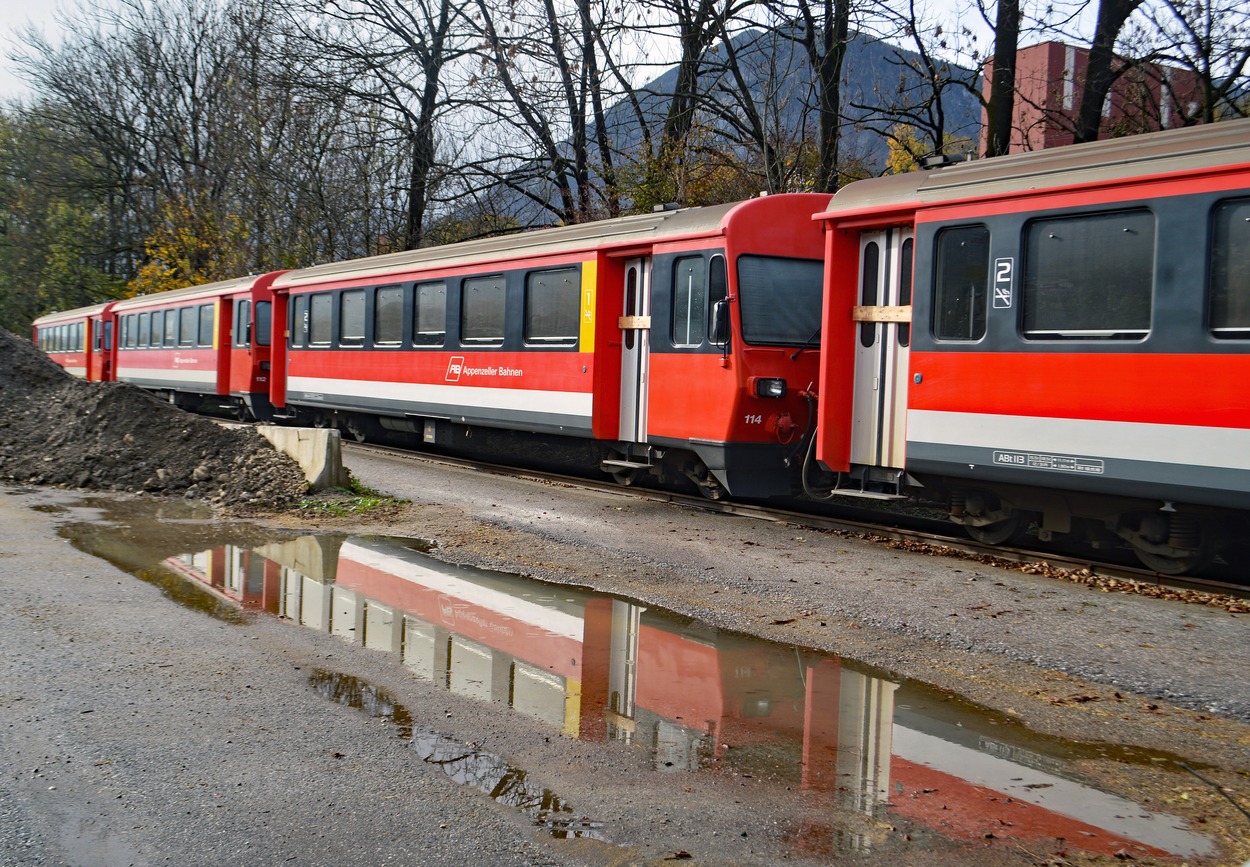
column 540, row 242
column 63, row 315
column 187, row 293
column 1176, row 150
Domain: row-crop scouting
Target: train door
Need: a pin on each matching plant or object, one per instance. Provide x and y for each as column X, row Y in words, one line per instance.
column 635, row 324
column 883, row 335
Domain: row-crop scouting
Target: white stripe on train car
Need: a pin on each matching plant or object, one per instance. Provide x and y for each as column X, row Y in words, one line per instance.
column 180, row 376
column 1136, row 441
column 567, row 403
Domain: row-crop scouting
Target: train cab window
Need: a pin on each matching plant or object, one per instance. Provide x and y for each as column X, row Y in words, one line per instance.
column 552, row 307
column 388, row 316
column 482, row 310
column 429, row 314
column 145, row 329
column 207, row 318
column 1088, row 276
column 1229, row 288
column 320, row 310
column 352, row 318
column 188, row 323
column 717, row 291
column 689, row 300
column 963, row 267
column 779, row 300
column 264, row 323
column 299, row 320
column 243, row 323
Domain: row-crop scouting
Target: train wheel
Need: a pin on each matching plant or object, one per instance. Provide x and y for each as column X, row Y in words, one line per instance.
column 1174, row 544
column 625, row 477
column 998, row 532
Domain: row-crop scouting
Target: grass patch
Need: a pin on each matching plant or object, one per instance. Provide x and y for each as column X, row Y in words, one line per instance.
column 353, row 501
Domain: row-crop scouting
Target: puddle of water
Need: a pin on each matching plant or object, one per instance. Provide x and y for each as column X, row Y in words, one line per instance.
column 463, row 763
column 701, row 700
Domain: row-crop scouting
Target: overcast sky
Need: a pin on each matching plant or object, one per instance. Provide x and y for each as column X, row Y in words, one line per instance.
column 14, row 16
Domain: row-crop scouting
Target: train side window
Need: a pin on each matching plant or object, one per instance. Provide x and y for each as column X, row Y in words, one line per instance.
column 128, row 331
column 963, row 267
column 352, row 318
column 388, row 316
column 904, row 289
column 171, row 327
column 429, row 314
column 1088, row 276
column 187, row 322
column 145, row 329
column 243, row 323
column 299, row 320
column 157, row 330
column 552, row 307
column 207, row 318
column 482, row 310
column 1229, row 287
column 264, row 323
column 96, row 335
column 689, row 300
column 869, row 289
column 320, row 309
column 79, row 338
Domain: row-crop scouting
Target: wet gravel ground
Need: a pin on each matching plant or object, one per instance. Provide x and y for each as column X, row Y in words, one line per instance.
column 131, row 738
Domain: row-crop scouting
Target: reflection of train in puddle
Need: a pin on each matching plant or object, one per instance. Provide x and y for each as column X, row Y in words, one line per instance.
column 596, row 667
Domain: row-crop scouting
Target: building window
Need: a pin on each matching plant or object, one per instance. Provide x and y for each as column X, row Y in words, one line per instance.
column 963, row 255
column 552, row 307
column 1229, row 287
column 689, row 301
column 1088, row 276
column 352, row 318
column 429, row 314
column 388, row 316
column 482, row 310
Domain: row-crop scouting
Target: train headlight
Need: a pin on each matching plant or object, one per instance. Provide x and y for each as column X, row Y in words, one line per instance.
column 769, row 387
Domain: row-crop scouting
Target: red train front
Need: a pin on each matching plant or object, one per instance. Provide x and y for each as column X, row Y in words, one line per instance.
column 673, row 341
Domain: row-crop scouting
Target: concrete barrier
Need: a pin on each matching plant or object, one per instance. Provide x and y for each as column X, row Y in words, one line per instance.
column 318, row 451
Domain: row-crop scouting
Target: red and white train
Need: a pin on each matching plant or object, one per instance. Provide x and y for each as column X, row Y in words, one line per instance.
column 1055, row 339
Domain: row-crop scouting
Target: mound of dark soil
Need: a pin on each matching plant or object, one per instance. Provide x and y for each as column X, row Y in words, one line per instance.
column 59, row 430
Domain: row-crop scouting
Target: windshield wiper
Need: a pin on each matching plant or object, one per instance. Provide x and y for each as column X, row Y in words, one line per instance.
column 806, row 344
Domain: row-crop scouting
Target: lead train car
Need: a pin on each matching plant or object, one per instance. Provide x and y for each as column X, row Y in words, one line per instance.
column 674, row 341
column 1074, row 351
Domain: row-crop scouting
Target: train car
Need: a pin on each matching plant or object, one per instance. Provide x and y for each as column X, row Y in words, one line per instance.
column 678, row 342
column 202, row 347
column 80, row 340
column 1058, row 338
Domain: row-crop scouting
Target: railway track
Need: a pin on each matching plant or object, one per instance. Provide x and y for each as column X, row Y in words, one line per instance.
column 923, row 534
